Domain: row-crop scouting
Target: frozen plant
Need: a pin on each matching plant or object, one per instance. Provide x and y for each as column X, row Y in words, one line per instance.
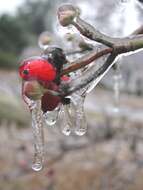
column 54, row 87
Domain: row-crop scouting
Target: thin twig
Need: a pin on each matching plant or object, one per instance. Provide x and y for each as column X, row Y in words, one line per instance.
column 85, row 60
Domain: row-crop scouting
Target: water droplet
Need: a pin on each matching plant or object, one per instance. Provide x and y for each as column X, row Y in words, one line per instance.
column 37, row 166
column 51, row 117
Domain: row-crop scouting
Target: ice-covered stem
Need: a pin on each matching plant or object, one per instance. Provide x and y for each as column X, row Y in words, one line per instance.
column 124, row 47
column 85, row 60
column 89, row 76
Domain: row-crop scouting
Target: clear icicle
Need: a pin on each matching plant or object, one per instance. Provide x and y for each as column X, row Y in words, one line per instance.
column 37, row 125
column 116, row 88
column 66, row 120
column 80, row 120
column 51, row 117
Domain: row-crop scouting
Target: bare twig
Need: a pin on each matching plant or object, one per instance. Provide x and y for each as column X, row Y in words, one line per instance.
column 85, row 60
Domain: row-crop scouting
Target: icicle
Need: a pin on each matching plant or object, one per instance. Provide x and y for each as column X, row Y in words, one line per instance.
column 37, row 125
column 80, row 120
column 66, row 122
column 116, row 88
column 51, row 117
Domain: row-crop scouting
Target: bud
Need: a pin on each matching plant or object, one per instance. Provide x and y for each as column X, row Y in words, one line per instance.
column 69, row 36
column 84, row 46
column 45, row 39
column 67, row 13
column 33, row 90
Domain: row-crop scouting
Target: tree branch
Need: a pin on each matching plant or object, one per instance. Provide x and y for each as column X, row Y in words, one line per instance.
column 91, row 74
column 123, row 47
column 68, row 15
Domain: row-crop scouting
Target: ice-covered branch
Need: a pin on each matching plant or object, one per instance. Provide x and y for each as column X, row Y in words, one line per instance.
column 69, row 15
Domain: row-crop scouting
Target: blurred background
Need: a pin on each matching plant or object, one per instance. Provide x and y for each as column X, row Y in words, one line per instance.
column 110, row 155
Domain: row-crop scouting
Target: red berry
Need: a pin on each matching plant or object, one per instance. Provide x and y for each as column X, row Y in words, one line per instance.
column 38, row 71
column 37, row 68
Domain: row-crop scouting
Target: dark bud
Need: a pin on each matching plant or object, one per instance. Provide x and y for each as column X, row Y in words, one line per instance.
column 57, row 58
